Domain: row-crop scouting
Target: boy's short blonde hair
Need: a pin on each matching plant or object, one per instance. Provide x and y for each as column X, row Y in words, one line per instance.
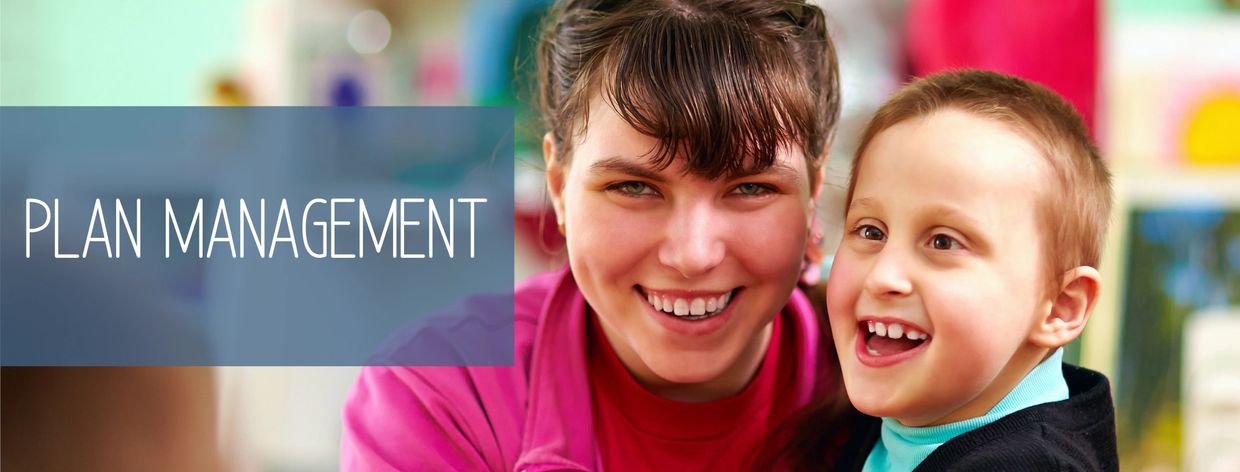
column 1076, row 208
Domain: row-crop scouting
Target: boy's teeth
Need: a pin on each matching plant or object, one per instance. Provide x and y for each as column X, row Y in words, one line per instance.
column 895, row 331
column 711, row 303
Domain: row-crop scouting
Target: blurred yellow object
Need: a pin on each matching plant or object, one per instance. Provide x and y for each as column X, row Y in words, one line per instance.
column 229, row 92
column 1212, row 134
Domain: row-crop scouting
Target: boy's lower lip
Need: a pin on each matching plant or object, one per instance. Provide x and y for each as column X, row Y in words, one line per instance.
column 678, row 325
column 870, row 360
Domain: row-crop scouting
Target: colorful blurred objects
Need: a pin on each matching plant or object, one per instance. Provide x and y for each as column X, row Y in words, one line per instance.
column 1052, row 43
column 1174, row 271
column 1157, row 80
column 346, row 92
column 228, row 92
column 1212, row 134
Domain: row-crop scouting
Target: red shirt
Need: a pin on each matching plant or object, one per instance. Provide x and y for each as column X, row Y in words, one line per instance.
column 639, row 430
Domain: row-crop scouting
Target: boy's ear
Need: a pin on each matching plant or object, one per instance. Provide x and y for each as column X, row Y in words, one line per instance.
column 1069, row 309
column 555, row 177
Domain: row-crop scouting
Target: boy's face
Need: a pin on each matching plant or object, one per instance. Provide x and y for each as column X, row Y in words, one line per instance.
column 941, row 240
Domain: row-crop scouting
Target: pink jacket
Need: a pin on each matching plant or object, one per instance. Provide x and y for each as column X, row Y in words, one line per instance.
column 533, row 416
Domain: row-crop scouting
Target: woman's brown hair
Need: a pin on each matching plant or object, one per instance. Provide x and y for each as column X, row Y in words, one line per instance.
column 722, row 83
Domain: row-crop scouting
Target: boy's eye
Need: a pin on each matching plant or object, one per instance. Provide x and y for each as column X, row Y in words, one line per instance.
column 751, row 189
column 871, row 232
column 944, row 242
column 632, row 187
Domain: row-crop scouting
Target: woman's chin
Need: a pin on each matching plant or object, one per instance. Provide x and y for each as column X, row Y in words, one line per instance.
column 686, row 371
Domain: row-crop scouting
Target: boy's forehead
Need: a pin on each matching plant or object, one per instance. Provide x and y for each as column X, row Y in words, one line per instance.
column 956, row 147
column 978, row 167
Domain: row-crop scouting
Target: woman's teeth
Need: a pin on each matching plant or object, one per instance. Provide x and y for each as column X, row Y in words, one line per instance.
column 894, row 330
column 690, row 307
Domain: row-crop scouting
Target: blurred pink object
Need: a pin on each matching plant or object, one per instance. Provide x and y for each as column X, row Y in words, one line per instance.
column 1052, row 43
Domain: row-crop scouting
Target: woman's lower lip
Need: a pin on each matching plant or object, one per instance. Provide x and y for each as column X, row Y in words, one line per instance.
column 870, row 360
column 702, row 327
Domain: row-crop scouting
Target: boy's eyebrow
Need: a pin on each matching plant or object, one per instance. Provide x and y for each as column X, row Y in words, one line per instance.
column 625, row 166
column 948, row 212
column 865, row 202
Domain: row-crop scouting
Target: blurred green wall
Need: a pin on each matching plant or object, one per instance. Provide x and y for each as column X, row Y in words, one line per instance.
column 120, row 52
column 1163, row 8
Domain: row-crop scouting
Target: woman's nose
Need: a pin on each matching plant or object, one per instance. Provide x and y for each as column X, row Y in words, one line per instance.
column 694, row 240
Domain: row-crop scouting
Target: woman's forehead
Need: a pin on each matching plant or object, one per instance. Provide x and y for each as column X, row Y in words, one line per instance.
column 609, row 143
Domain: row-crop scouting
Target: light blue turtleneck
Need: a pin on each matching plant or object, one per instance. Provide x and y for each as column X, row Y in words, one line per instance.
column 902, row 448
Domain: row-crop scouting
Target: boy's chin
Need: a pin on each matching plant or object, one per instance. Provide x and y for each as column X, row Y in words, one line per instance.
column 874, row 402
column 865, row 400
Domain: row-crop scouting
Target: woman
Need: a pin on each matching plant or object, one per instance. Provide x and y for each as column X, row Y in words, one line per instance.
column 683, row 159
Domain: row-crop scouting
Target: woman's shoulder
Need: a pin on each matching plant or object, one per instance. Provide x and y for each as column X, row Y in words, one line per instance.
column 394, row 412
column 531, row 295
column 444, row 331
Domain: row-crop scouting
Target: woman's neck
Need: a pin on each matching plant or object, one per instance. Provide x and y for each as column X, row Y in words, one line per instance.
column 728, row 383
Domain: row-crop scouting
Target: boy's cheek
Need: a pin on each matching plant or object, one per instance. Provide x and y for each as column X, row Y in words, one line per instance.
column 843, row 283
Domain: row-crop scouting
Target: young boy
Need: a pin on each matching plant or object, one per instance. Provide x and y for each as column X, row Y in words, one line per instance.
column 976, row 213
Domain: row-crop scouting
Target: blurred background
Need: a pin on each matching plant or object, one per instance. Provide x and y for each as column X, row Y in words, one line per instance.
column 1157, row 80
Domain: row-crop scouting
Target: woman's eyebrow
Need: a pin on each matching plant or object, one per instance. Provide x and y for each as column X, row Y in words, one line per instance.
column 777, row 170
column 625, row 166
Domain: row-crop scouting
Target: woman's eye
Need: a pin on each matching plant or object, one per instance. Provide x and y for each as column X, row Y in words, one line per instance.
column 632, row 188
column 944, row 242
column 752, row 189
column 871, row 232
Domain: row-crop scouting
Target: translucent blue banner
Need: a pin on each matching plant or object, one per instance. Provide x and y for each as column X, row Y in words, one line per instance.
column 256, row 236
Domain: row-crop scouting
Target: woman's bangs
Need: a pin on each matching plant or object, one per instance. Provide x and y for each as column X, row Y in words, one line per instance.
column 711, row 91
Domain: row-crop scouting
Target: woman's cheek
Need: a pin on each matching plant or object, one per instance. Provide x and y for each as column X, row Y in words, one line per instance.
column 604, row 232
column 770, row 242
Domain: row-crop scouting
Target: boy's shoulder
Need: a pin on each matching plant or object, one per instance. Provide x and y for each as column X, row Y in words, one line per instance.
column 1073, row 434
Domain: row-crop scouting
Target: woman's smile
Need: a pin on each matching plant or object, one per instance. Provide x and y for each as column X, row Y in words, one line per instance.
column 689, row 305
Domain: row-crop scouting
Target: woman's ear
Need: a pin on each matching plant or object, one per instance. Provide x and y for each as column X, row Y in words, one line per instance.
column 1069, row 308
column 815, row 190
column 555, row 177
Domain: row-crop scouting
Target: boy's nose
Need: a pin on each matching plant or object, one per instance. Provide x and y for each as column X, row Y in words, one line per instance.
column 887, row 277
column 693, row 242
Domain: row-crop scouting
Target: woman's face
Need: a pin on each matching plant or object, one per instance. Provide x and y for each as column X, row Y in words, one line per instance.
column 685, row 273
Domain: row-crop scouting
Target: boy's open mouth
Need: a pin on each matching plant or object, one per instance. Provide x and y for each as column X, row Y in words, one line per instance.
column 889, row 338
